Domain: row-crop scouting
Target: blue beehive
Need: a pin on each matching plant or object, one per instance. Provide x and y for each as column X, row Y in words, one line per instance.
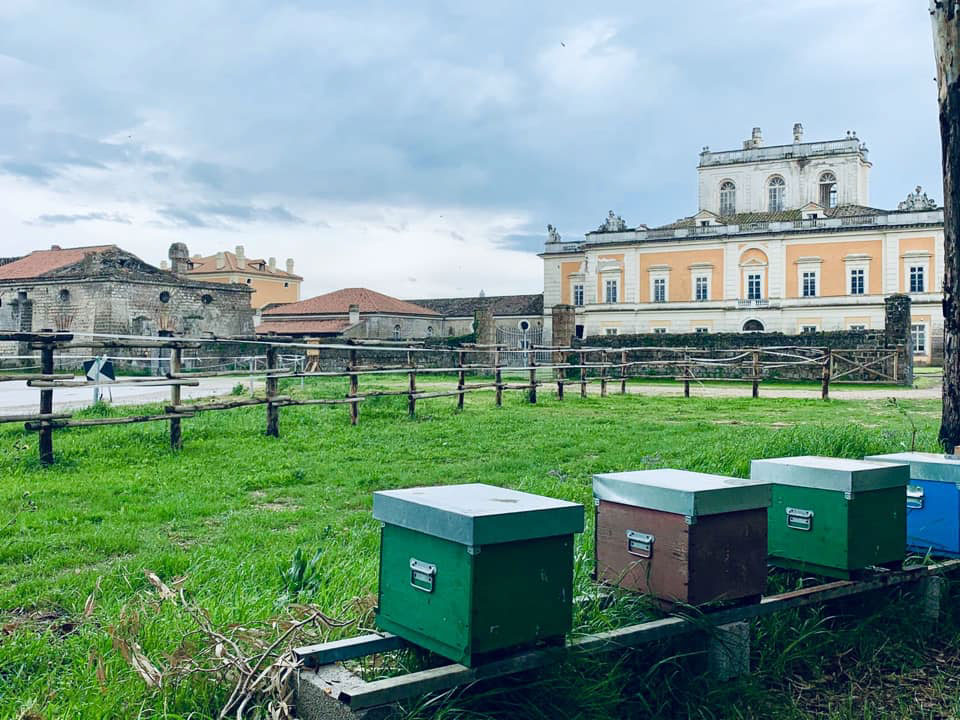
column 933, row 501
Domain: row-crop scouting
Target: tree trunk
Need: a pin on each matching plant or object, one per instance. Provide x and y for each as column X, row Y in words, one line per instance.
column 946, row 45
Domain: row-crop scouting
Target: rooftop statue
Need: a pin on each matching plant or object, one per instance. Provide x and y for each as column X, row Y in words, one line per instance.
column 552, row 235
column 613, row 223
column 918, row 200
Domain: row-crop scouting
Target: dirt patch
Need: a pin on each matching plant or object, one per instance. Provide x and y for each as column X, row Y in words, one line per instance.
column 38, row 621
column 279, row 506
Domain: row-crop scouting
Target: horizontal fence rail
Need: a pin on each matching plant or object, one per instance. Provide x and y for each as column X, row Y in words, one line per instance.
column 181, row 362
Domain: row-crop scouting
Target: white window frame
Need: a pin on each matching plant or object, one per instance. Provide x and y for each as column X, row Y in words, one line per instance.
column 731, row 205
column 921, row 273
column 658, row 294
column 809, row 328
column 747, row 274
column 701, row 330
column 920, row 260
column 608, row 283
column 834, row 195
column 925, row 335
column 808, row 265
column 697, row 271
column 860, row 274
column 811, row 276
column 659, row 331
column 611, row 331
column 574, row 287
column 659, row 273
column 781, row 193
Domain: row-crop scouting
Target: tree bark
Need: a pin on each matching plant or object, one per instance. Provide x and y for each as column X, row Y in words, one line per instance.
column 946, row 45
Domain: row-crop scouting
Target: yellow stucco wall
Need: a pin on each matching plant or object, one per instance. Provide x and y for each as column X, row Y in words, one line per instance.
column 566, row 270
column 916, row 244
column 755, row 255
column 680, row 286
column 601, row 295
column 265, row 290
column 833, row 269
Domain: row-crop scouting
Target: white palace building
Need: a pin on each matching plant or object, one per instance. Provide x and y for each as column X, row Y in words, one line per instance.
column 785, row 240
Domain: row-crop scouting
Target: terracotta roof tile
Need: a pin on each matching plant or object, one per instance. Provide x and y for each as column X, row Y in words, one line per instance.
column 303, row 327
column 339, row 302
column 252, row 266
column 40, row 262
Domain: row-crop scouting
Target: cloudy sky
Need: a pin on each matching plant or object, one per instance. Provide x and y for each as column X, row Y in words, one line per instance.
column 420, row 147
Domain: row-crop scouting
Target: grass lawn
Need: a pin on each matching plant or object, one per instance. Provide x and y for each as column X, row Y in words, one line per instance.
column 234, row 506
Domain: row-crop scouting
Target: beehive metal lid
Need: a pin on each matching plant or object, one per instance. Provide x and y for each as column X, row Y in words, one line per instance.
column 826, row 473
column 934, row 467
column 681, row 492
column 477, row 514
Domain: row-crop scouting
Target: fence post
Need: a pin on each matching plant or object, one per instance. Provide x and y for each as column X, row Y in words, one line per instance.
column 461, row 380
column 686, row 375
column 176, row 439
column 412, row 403
column 827, row 362
column 273, row 411
column 532, row 360
column 46, row 404
column 603, row 373
column 498, row 376
column 623, row 372
column 756, row 373
column 562, row 359
column 354, row 387
column 583, row 375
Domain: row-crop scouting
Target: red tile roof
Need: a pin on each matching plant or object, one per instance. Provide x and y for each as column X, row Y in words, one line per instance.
column 40, row 262
column 303, row 327
column 252, row 266
column 339, row 302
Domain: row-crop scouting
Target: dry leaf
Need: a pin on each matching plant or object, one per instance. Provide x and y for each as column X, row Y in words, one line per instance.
column 165, row 592
column 90, row 603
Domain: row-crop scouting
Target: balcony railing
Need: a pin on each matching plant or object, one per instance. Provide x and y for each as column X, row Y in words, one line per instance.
column 756, row 302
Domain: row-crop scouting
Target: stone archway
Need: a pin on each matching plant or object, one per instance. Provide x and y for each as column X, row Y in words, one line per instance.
column 753, row 326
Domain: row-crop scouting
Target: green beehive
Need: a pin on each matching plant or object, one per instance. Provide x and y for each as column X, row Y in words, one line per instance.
column 833, row 516
column 469, row 570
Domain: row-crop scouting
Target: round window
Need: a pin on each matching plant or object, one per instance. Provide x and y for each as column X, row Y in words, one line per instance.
column 206, row 299
column 64, row 296
column 164, row 297
column 524, row 325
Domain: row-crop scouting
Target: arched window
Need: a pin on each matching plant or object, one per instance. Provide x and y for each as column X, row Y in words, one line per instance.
column 429, row 331
column 828, row 190
column 396, row 332
column 776, row 192
column 728, row 198
column 753, row 326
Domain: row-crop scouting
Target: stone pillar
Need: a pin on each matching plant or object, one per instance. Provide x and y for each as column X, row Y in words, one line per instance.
column 564, row 322
column 486, row 330
column 896, row 333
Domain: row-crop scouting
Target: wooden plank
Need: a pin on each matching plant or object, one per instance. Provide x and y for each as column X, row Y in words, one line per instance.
column 126, row 382
column 224, row 405
column 35, row 337
column 27, row 417
column 388, row 690
column 45, row 436
column 176, row 435
column 35, row 376
column 92, row 422
column 322, row 401
column 348, row 649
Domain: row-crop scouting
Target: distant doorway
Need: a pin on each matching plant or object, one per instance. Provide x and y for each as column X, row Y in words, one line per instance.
column 753, row 326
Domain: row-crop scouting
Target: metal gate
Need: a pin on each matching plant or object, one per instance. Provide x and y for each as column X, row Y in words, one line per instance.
column 518, row 343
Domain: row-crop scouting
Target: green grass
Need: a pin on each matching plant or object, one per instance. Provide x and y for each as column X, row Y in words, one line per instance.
column 234, row 506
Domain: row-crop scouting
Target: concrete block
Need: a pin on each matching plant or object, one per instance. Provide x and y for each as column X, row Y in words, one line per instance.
column 728, row 650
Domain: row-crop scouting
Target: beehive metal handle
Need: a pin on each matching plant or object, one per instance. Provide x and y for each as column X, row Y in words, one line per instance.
column 639, row 544
column 914, row 497
column 422, row 575
column 798, row 519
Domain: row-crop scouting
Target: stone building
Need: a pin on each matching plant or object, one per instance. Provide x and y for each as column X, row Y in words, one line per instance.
column 785, row 240
column 104, row 289
column 270, row 284
column 351, row 313
column 363, row 313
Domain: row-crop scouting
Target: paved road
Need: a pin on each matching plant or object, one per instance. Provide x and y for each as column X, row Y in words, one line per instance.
column 16, row 397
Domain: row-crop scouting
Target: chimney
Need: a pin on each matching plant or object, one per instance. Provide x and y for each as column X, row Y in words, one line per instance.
column 756, row 138
column 798, row 132
column 290, row 265
column 179, row 258
column 273, row 263
column 241, row 260
column 163, row 265
column 221, row 261
column 354, row 314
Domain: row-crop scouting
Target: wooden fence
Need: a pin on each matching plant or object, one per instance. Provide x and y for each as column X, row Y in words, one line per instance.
column 481, row 365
